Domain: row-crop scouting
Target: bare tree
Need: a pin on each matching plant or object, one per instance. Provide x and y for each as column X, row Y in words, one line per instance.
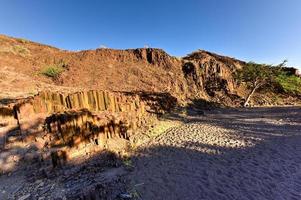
column 256, row 76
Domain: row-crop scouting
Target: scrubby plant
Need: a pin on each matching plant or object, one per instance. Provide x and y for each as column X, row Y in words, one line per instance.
column 128, row 164
column 52, row 71
column 290, row 84
column 23, row 41
column 18, row 49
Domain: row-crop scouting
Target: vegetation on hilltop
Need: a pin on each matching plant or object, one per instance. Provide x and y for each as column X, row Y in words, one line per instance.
column 288, row 83
column 256, row 76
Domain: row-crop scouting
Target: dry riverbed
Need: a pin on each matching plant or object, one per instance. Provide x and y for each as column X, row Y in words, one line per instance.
column 226, row 154
column 241, row 154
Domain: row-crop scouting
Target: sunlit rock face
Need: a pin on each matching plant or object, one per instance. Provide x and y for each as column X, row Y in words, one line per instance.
column 208, row 73
column 61, row 122
column 142, row 69
column 49, row 102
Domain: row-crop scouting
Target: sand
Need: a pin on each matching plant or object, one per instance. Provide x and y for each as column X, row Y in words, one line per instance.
column 226, row 154
column 230, row 154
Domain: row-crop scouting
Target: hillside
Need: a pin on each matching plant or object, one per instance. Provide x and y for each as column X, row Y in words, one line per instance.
column 70, row 117
column 199, row 74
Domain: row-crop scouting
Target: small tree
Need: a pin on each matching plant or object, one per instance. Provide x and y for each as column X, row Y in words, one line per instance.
column 257, row 75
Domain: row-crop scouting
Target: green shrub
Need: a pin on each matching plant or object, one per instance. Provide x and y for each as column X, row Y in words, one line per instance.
column 52, row 71
column 289, row 83
column 20, row 50
column 23, row 41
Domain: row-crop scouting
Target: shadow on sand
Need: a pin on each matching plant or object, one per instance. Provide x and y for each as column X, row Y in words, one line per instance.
column 270, row 168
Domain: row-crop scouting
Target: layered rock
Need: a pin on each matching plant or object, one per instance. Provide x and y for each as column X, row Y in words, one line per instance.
column 208, row 73
column 55, row 121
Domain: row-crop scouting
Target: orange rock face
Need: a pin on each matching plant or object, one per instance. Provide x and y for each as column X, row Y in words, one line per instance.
column 56, row 121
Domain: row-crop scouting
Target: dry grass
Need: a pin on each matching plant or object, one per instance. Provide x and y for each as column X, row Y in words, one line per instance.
column 16, row 50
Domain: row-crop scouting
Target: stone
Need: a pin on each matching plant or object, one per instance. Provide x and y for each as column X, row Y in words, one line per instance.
column 126, row 196
column 24, row 197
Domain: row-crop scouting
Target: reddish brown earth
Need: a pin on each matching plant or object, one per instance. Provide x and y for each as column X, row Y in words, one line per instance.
column 200, row 74
column 75, row 135
column 150, row 70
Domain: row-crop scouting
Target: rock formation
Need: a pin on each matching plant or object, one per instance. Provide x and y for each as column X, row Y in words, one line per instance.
column 100, row 95
column 56, row 121
column 197, row 75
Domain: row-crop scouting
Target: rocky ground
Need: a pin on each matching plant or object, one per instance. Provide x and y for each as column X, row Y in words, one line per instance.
column 221, row 154
column 227, row 154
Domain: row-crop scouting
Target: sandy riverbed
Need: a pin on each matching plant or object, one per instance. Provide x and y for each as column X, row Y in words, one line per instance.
column 227, row 154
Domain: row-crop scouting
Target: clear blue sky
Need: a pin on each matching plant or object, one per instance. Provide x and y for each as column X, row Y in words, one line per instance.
column 254, row 30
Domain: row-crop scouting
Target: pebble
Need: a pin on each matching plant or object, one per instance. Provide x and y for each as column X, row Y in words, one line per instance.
column 24, row 197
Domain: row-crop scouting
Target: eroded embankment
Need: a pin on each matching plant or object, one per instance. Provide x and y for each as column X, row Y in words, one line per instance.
column 62, row 126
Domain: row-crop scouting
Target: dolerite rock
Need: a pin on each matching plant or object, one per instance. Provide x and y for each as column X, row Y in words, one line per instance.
column 209, row 72
column 155, row 57
column 54, row 121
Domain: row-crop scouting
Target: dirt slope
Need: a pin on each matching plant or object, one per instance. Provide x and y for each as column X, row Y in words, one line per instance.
column 144, row 69
column 200, row 74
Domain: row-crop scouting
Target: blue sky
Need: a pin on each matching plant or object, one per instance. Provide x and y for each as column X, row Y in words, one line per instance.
column 266, row 31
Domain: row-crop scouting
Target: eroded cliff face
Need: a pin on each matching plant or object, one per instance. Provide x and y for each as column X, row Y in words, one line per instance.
column 197, row 75
column 60, row 123
column 211, row 72
column 211, row 76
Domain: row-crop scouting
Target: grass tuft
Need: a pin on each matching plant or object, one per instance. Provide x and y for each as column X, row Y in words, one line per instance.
column 52, row 71
column 20, row 50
